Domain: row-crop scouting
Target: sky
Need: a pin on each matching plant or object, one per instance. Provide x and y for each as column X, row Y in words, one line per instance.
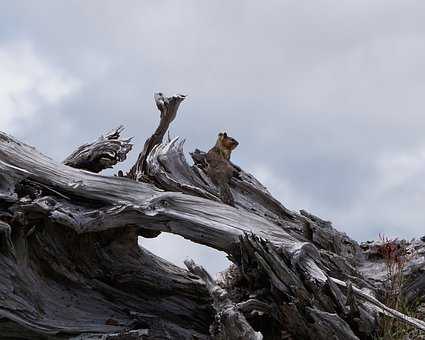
column 325, row 97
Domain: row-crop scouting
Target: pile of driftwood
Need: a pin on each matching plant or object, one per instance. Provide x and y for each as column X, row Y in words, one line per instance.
column 71, row 266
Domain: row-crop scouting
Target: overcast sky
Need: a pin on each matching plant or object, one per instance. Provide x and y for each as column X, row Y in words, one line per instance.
column 325, row 97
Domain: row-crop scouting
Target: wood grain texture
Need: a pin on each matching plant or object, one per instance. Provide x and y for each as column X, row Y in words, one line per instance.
column 167, row 107
column 72, row 267
column 104, row 153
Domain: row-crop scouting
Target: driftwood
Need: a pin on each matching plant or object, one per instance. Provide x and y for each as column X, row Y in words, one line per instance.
column 102, row 154
column 71, row 266
column 230, row 321
column 168, row 107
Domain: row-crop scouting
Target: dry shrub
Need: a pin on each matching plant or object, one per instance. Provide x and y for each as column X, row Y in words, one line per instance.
column 396, row 256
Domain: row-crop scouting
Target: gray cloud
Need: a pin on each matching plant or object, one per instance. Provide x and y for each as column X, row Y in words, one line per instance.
column 325, row 97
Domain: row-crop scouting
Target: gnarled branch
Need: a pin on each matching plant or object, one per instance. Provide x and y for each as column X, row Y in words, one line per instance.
column 168, row 107
column 104, row 153
column 230, row 322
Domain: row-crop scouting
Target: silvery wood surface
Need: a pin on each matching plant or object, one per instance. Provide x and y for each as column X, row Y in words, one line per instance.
column 71, row 266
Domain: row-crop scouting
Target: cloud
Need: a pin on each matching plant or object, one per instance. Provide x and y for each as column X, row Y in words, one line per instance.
column 325, row 97
column 27, row 83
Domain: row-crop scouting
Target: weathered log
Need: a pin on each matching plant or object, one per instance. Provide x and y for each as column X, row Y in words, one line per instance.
column 72, row 267
column 89, row 204
column 56, row 282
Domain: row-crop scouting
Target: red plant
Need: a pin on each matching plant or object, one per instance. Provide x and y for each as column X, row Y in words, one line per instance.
column 396, row 255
